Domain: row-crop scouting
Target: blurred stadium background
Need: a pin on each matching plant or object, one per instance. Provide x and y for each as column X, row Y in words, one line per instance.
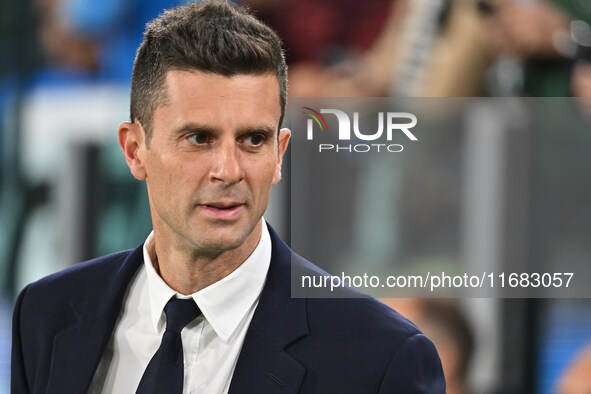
column 66, row 194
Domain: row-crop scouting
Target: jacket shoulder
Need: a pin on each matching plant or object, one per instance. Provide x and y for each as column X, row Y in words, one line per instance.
column 365, row 337
column 69, row 281
column 92, row 285
column 47, row 308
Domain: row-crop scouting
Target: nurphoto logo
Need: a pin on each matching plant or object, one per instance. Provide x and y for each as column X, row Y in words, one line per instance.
column 395, row 124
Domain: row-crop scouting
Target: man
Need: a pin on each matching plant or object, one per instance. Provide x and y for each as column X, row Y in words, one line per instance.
column 204, row 305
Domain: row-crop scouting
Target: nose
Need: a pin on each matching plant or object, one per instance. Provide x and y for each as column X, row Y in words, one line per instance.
column 226, row 166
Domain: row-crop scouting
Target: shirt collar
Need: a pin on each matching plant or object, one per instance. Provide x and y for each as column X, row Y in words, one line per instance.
column 225, row 303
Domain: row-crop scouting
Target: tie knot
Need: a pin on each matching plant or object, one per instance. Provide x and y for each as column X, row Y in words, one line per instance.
column 179, row 313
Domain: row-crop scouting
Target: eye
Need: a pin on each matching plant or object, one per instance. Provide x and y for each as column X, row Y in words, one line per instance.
column 254, row 140
column 200, row 138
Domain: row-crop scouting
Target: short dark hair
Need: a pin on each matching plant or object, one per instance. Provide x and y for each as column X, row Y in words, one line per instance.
column 213, row 37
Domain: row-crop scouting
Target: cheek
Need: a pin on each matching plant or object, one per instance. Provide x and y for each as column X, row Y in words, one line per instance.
column 176, row 171
column 263, row 176
column 159, row 176
column 166, row 182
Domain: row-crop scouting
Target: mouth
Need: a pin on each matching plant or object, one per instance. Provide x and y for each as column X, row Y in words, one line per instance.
column 222, row 205
column 222, row 210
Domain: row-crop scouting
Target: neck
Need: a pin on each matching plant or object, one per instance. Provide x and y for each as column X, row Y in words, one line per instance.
column 188, row 271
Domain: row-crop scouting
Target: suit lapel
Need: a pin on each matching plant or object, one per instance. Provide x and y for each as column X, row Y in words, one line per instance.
column 77, row 350
column 279, row 320
column 76, row 353
column 264, row 367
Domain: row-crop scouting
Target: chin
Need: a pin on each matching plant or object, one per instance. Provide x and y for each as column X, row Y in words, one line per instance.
column 220, row 238
column 220, row 243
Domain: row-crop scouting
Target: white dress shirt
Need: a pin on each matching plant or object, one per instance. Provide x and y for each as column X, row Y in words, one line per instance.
column 211, row 343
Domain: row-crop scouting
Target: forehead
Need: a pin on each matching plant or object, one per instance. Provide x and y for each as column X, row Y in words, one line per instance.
column 216, row 99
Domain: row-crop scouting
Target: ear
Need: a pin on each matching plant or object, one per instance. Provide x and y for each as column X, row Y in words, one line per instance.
column 132, row 142
column 284, row 136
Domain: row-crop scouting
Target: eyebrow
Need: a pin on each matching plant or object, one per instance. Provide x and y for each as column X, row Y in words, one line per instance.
column 196, row 128
column 265, row 130
column 201, row 128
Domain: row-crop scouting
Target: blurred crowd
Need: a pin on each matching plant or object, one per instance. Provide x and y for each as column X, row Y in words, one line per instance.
column 338, row 48
column 348, row 48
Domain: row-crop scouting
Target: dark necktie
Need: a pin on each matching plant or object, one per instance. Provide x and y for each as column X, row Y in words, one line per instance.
column 165, row 372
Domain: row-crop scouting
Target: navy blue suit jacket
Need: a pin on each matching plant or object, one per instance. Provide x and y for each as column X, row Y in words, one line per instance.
column 63, row 323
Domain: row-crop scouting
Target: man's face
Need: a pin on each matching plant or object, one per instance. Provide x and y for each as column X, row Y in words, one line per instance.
column 212, row 158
